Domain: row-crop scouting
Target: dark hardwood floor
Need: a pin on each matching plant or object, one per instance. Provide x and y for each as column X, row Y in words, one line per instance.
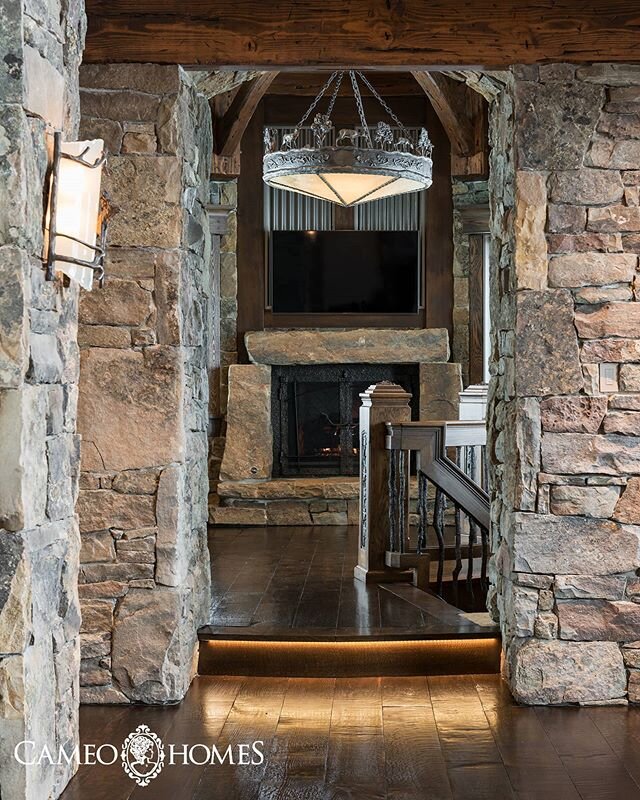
column 295, row 583
column 437, row 738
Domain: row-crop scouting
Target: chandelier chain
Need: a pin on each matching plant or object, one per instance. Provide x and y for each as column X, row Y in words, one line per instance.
column 336, row 89
column 317, row 100
column 384, row 105
column 360, row 107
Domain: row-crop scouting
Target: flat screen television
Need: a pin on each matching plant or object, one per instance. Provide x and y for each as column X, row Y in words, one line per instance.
column 351, row 272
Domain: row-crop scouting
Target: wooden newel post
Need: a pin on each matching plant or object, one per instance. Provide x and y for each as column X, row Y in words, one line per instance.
column 381, row 403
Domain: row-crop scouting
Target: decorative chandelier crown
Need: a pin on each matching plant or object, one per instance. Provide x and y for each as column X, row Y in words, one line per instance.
column 359, row 166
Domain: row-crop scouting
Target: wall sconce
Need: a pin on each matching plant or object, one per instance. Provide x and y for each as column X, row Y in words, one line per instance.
column 76, row 222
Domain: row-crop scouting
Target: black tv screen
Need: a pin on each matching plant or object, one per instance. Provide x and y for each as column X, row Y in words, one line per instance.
column 334, row 272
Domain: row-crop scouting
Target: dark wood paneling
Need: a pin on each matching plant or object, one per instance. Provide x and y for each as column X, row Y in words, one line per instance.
column 439, row 246
column 380, row 33
column 250, row 248
column 476, row 309
column 289, row 110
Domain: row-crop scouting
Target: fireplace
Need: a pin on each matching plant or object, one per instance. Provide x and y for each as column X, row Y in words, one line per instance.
column 315, row 413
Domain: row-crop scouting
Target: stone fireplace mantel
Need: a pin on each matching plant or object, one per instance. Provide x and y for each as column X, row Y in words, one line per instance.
column 347, row 346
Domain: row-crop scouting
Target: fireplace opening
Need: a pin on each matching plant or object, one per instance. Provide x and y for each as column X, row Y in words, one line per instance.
column 315, row 413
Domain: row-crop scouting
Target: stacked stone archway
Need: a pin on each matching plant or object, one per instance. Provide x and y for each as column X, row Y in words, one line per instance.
column 565, row 392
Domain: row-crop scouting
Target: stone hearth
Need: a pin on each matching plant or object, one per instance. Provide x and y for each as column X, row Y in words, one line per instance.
column 247, row 493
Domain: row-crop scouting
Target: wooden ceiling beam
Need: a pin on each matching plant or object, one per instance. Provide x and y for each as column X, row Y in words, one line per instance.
column 463, row 114
column 230, row 127
column 391, row 34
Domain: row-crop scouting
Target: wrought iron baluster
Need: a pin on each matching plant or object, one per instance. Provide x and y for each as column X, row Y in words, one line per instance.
column 423, row 506
column 473, row 526
column 438, row 526
column 402, row 500
column 393, row 500
column 484, row 533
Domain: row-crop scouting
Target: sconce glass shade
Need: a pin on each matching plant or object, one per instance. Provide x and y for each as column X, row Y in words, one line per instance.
column 75, row 202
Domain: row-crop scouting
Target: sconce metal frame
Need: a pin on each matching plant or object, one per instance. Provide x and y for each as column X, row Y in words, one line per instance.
column 99, row 247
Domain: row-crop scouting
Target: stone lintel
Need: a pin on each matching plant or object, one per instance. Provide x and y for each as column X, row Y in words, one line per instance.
column 348, row 346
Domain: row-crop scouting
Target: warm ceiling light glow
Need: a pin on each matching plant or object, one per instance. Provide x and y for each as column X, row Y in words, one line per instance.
column 74, row 208
column 361, row 164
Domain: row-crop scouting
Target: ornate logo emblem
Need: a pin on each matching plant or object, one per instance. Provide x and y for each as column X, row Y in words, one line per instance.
column 142, row 755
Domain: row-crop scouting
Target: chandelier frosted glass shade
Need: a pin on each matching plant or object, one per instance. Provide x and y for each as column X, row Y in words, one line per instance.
column 347, row 175
column 350, row 165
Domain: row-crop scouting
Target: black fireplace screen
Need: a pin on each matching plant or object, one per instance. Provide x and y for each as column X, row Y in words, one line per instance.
column 315, row 412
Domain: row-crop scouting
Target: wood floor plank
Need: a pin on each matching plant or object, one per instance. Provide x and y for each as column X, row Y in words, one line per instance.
column 601, row 777
column 414, row 762
column 573, row 732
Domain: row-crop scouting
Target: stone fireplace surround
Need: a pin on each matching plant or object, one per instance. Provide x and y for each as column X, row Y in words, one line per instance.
column 247, row 493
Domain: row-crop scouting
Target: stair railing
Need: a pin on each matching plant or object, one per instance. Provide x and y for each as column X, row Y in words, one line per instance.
column 459, row 480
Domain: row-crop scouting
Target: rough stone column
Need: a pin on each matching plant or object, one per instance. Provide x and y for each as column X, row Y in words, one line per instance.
column 143, row 405
column 41, row 45
column 565, row 391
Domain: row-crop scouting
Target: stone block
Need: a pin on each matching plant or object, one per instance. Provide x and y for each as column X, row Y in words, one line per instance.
column 103, row 336
column 146, row 191
column 106, row 590
column 628, row 402
column 45, row 364
column 149, row 78
column 624, row 422
column 547, row 357
column 591, row 269
column 576, row 453
column 120, row 573
column 95, row 645
column 620, row 154
column 330, row 518
column 586, row 501
column 14, row 317
column 594, row 295
column 553, row 672
column 627, row 509
column 440, row 385
column 15, row 595
column 546, row 626
column 521, row 608
column 620, row 126
column 172, row 551
column 585, row 242
column 603, row 587
column 566, row 219
column 573, row 545
column 608, row 74
column 23, row 459
column 614, row 219
column 612, row 319
column 544, row 140
column 139, row 142
column 599, row 620
column 105, row 509
column 143, row 665
column 108, row 130
column 95, row 671
column 611, row 351
column 119, row 302
column 97, row 616
column 288, row 513
column 338, row 346
column 97, row 546
column 43, row 88
column 119, row 105
column 585, row 187
column 573, row 414
column 123, row 396
column 630, row 377
column 237, row 515
column 530, row 256
column 138, row 481
column 249, row 445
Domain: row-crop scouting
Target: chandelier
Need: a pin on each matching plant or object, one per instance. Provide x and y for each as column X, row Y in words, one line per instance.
column 362, row 164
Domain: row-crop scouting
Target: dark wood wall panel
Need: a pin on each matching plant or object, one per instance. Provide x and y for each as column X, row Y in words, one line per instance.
column 439, row 252
column 250, row 249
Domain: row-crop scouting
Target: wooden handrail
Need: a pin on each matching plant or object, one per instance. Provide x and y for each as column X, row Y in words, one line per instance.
column 430, row 440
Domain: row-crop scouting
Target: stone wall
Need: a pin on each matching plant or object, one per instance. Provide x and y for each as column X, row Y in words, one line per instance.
column 466, row 195
column 41, row 46
column 565, row 391
column 143, row 405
